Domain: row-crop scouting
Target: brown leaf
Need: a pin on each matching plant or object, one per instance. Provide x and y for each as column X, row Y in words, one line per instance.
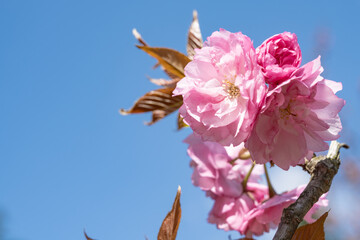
column 156, row 65
column 171, row 75
column 313, row 231
column 164, row 82
column 87, row 237
column 171, row 60
column 160, row 102
column 156, row 116
column 138, row 37
column 180, row 123
column 170, row 225
column 143, row 43
column 194, row 36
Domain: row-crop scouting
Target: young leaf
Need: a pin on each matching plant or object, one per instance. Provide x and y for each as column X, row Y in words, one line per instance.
column 143, row 43
column 170, row 225
column 171, row 60
column 138, row 37
column 165, row 83
column 313, row 231
column 180, row 123
column 194, row 36
column 171, row 75
column 87, row 237
column 160, row 102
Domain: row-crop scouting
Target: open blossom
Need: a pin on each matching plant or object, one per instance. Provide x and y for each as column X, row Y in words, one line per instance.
column 218, row 172
column 230, row 213
column 223, row 89
column 300, row 114
column 214, row 168
column 279, row 56
column 268, row 214
column 253, row 213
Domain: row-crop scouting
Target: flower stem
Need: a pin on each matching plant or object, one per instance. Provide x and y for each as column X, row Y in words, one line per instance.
column 271, row 188
column 244, row 182
column 232, row 162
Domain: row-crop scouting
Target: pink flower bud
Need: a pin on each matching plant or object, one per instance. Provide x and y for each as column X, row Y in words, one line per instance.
column 279, row 56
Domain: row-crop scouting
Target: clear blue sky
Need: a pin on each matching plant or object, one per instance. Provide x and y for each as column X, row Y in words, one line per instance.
column 69, row 161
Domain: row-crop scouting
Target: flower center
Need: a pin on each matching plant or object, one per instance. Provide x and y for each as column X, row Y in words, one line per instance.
column 231, row 90
column 285, row 113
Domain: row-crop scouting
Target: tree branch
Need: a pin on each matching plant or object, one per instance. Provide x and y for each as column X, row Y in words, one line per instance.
column 322, row 170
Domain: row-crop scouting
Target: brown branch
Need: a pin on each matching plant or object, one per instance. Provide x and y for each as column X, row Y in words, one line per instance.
column 322, row 170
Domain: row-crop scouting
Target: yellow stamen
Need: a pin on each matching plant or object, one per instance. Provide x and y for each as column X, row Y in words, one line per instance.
column 230, row 88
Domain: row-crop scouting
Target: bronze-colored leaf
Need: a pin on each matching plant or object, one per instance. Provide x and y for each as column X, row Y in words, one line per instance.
column 180, row 123
column 170, row 225
column 143, row 43
column 171, row 60
column 164, row 82
column 313, row 231
column 171, row 75
column 87, row 237
column 156, row 116
column 194, row 36
column 138, row 37
column 160, row 102
column 156, row 65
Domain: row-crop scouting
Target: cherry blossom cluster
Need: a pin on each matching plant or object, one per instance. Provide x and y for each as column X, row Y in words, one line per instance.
column 237, row 98
column 235, row 94
column 241, row 202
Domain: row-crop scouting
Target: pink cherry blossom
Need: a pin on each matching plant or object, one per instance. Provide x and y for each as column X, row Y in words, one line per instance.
column 268, row 214
column 230, row 213
column 223, row 89
column 279, row 56
column 300, row 114
column 217, row 172
column 213, row 170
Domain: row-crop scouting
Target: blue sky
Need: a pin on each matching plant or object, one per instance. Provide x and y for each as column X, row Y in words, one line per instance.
column 69, row 160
